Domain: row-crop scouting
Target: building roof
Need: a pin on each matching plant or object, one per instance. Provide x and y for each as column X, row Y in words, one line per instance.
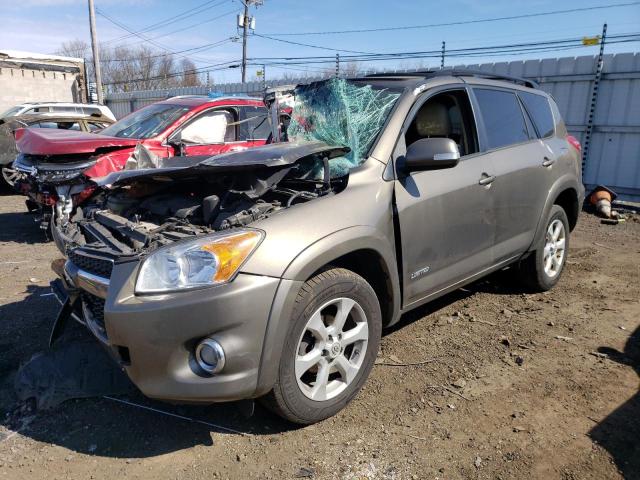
column 31, row 56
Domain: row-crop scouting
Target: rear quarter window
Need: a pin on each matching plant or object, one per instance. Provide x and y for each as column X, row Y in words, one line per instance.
column 502, row 117
column 539, row 110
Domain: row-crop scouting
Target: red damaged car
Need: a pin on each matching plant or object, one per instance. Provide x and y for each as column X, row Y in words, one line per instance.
column 58, row 165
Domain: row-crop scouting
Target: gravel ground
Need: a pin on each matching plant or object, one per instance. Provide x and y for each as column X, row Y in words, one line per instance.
column 513, row 385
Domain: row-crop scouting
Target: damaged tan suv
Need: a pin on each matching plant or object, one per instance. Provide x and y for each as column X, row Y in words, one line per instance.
column 270, row 273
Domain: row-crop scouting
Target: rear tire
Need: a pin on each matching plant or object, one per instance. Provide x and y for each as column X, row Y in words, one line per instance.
column 330, row 348
column 542, row 269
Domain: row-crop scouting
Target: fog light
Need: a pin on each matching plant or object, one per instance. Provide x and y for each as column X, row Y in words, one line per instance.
column 210, row 356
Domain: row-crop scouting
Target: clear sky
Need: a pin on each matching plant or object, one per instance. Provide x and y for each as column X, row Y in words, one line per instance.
column 42, row 25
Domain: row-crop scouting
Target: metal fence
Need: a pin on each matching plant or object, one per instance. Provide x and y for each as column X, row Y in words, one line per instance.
column 614, row 152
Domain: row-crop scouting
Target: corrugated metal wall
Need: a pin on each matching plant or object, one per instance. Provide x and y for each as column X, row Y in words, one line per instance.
column 614, row 157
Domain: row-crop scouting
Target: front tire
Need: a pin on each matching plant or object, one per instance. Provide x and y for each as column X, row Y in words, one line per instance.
column 330, row 347
column 541, row 270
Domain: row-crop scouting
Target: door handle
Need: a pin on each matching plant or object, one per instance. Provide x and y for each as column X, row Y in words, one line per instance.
column 548, row 161
column 486, row 180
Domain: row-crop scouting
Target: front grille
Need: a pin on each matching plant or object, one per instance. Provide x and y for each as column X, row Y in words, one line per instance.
column 94, row 309
column 101, row 267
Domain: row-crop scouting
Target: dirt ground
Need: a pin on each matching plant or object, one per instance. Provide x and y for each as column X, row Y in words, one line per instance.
column 514, row 385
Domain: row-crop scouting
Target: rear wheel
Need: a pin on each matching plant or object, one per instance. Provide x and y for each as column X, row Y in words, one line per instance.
column 541, row 270
column 330, row 348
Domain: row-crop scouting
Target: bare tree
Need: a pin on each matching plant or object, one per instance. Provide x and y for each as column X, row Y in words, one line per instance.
column 74, row 48
column 126, row 68
column 190, row 77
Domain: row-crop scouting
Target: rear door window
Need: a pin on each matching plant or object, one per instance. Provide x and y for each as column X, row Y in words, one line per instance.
column 539, row 110
column 503, row 118
column 255, row 125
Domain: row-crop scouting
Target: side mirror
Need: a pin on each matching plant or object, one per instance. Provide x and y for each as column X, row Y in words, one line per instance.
column 176, row 142
column 431, row 154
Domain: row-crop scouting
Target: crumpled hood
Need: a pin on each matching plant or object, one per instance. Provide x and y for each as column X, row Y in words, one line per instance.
column 44, row 141
column 276, row 155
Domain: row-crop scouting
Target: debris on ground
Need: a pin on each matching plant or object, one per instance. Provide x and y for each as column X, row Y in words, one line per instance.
column 601, row 198
column 77, row 368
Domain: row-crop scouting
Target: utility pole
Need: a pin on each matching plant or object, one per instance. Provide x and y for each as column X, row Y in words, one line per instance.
column 442, row 55
column 246, row 23
column 594, row 100
column 337, row 65
column 96, row 51
column 245, row 28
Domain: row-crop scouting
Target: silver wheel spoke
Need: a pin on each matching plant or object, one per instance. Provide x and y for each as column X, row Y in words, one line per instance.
column 344, row 308
column 359, row 332
column 547, row 265
column 319, row 390
column 556, row 262
column 306, row 361
column 317, row 327
column 347, row 370
column 560, row 244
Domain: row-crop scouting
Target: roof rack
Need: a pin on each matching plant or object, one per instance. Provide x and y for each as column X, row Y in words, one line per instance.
column 458, row 72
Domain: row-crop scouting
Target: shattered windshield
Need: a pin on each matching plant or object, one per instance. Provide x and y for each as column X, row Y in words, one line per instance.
column 146, row 122
column 343, row 113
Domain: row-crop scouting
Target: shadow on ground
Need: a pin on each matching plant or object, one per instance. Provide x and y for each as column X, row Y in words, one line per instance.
column 21, row 227
column 112, row 427
column 619, row 432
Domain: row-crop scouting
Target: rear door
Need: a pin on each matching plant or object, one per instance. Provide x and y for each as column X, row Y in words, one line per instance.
column 518, row 157
column 447, row 219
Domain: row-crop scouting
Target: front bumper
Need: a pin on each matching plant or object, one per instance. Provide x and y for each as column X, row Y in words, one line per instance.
column 154, row 337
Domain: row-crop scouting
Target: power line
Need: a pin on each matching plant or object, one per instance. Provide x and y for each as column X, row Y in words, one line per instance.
column 573, row 42
column 205, row 69
column 461, row 22
column 469, row 52
column 143, row 37
column 176, row 52
column 307, row 44
column 173, row 19
column 188, row 27
column 298, row 63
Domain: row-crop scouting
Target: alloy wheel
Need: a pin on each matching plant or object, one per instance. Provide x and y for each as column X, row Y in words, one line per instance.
column 554, row 248
column 331, row 349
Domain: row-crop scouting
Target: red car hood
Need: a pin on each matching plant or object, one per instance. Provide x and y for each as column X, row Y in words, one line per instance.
column 43, row 141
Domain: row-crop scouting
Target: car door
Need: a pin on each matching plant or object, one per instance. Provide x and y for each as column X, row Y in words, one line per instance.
column 446, row 217
column 518, row 158
column 211, row 133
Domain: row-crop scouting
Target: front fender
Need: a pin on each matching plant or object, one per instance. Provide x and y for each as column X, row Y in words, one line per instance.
column 304, row 265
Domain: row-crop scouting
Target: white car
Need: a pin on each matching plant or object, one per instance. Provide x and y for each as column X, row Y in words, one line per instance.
column 58, row 107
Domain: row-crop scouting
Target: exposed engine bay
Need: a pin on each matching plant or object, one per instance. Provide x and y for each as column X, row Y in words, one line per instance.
column 137, row 211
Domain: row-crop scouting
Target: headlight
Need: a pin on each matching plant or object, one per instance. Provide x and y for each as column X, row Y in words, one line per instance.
column 201, row 262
